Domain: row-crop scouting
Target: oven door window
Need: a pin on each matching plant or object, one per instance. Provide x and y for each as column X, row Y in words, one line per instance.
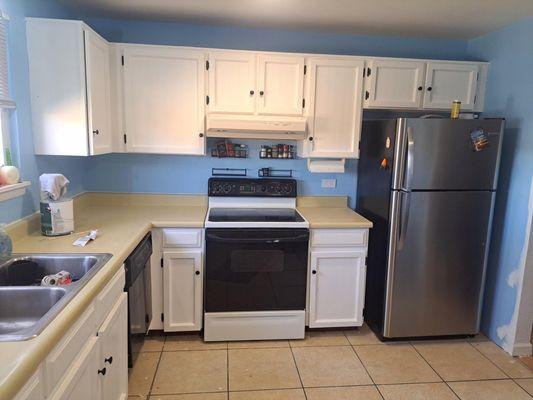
column 255, row 274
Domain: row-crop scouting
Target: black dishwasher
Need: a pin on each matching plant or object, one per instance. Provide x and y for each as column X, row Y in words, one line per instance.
column 137, row 267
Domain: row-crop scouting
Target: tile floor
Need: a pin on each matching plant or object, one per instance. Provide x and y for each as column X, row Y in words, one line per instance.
column 343, row 365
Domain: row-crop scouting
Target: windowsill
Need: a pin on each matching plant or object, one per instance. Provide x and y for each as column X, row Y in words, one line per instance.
column 9, row 192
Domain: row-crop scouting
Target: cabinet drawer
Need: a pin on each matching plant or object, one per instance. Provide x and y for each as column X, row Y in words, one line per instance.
column 58, row 361
column 109, row 295
column 182, row 237
column 339, row 237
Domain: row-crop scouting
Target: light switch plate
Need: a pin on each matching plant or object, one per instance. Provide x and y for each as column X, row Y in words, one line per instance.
column 329, row 183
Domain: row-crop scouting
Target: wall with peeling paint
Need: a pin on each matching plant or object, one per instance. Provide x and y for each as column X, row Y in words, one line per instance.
column 510, row 94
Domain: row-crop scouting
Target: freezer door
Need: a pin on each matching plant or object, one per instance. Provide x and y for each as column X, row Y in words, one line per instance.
column 447, row 154
column 436, row 262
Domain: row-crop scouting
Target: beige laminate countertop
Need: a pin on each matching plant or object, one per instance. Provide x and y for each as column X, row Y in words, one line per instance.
column 122, row 221
column 120, row 228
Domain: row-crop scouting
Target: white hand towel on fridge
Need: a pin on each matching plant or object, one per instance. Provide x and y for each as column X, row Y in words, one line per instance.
column 53, row 186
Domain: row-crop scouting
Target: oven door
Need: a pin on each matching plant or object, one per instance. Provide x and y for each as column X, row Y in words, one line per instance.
column 255, row 269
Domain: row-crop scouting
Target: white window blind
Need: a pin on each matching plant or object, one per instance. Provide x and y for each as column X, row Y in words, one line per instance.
column 5, row 99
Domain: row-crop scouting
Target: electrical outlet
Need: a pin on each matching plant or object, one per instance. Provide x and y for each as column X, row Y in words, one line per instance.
column 329, row 183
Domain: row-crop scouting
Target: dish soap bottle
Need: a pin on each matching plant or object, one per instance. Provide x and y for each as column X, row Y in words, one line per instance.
column 6, row 245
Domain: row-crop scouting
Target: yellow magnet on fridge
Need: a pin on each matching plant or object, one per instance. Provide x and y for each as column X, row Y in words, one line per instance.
column 384, row 163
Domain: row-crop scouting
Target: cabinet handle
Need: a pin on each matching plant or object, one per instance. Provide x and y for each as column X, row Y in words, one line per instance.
column 429, row 88
column 201, row 134
column 261, row 93
column 102, row 371
column 197, row 272
column 310, row 138
column 251, row 92
column 96, row 132
column 109, row 360
column 313, row 272
column 420, row 88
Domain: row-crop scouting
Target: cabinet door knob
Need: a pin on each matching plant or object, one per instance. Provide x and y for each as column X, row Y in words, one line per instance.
column 261, row 93
column 420, row 88
column 96, row 132
column 251, row 92
column 429, row 88
column 102, row 371
column 310, row 138
column 197, row 272
column 314, row 272
column 109, row 360
column 201, row 134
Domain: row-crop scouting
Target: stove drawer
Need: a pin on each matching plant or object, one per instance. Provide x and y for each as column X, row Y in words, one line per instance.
column 338, row 237
column 176, row 237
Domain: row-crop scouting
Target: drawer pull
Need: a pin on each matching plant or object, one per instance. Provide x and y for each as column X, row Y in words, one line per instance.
column 109, row 360
column 102, row 371
column 314, row 272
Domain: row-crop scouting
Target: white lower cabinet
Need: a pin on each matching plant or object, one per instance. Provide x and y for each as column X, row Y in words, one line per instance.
column 336, row 281
column 113, row 359
column 91, row 360
column 182, row 290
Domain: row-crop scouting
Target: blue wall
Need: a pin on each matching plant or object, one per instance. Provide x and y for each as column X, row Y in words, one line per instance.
column 509, row 94
column 21, row 131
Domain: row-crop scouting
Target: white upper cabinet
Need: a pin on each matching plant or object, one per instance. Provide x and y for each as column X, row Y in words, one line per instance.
column 69, row 88
column 164, row 99
column 98, row 93
column 335, row 107
column 232, row 85
column 449, row 81
column 394, row 83
column 280, row 83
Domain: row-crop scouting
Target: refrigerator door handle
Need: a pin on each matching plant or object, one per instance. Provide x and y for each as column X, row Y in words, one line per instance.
column 405, row 205
column 410, row 154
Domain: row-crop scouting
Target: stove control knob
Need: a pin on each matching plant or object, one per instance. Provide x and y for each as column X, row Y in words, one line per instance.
column 263, row 188
column 278, row 189
column 286, row 188
column 227, row 188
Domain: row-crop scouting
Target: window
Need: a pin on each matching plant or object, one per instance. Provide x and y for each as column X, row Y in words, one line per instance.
column 5, row 100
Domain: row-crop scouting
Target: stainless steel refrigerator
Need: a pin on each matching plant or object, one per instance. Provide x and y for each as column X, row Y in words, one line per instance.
column 429, row 187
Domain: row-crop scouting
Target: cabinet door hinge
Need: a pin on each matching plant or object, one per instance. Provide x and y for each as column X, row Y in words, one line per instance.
column 207, row 65
column 305, row 69
column 161, row 262
column 303, row 103
column 162, row 317
column 207, row 100
column 122, row 60
column 125, row 139
column 367, row 95
column 364, row 72
column 368, row 71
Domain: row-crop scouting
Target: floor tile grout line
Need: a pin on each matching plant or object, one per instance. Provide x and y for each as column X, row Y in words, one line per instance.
column 227, row 371
column 364, row 367
column 489, row 360
column 434, row 370
column 298, row 371
column 155, row 374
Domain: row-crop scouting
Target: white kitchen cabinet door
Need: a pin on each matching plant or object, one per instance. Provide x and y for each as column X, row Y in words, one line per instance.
column 164, row 100
column 394, row 84
column 98, row 93
column 113, row 335
column 182, row 290
column 337, row 288
column 335, row 107
column 232, row 82
column 449, row 81
column 280, row 84
column 81, row 381
column 69, row 88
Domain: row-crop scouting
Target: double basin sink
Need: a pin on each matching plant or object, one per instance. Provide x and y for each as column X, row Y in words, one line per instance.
column 26, row 307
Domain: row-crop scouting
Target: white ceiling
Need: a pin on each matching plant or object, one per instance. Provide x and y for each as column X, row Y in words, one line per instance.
column 431, row 18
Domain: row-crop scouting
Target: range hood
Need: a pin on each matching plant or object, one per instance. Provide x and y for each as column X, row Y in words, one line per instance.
column 256, row 127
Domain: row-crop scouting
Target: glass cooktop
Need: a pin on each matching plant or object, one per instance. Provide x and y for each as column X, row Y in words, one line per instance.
column 254, row 215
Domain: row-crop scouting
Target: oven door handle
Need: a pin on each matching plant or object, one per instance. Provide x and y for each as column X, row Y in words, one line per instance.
column 270, row 240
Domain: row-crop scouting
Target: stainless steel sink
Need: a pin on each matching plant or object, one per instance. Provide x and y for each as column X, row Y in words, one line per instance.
column 26, row 308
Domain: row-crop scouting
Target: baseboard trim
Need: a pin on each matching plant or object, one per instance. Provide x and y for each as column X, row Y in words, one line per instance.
column 522, row 349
